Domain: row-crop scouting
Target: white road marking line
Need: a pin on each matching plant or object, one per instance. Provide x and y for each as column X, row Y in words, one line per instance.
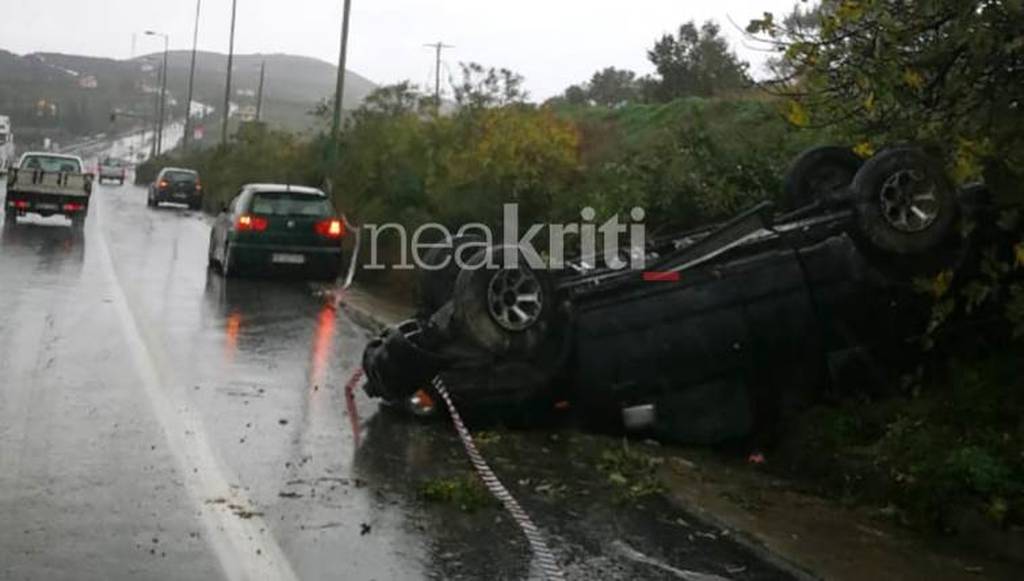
column 245, row 553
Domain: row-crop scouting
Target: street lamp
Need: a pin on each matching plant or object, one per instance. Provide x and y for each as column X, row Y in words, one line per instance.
column 339, row 90
column 227, row 82
column 191, row 79
column 163, row 92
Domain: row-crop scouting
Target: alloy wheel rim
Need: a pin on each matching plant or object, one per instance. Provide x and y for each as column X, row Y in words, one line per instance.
column 514, row 299
column 909, row 202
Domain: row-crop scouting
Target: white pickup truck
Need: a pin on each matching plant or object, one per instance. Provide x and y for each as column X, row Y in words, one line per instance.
column 48, row 184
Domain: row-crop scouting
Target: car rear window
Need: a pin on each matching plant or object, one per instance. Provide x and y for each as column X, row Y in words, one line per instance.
column 180, row 176
column 290, row 204
column 51, row 163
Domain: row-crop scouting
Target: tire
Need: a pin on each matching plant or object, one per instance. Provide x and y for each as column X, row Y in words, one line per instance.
column 434, row 287
column 905, row 203
column 78, row 222
column 490, row 304
column 10, row 218
column 211, row 260
column 227, row 265
column 819, row 171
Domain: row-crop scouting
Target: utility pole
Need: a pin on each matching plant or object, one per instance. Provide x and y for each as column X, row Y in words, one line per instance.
column 438, row 47
column 163, row 92
column 191, row 80
column 340, row 88
column 259, row 95
column 156, row 115
column 227, row 84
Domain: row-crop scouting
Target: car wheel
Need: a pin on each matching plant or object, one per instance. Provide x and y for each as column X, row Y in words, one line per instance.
column 503, row 310
column 211, row 259
column 227, row 264
column 10, row 218
column 78, row 222
column 434, row 287
column 819, row 171
column 905, row 203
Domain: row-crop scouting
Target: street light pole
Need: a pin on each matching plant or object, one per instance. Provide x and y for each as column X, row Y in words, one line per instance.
column 191, row 80
column 259, row 96
column 163, row 93
column 340, row 88
column 438, row 46
column 227, row 85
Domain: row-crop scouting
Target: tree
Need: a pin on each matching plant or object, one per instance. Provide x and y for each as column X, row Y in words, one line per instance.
column 611, row 87
column 945, row 72
column 696, row 62
column 482, row 88
column 396, row 99
column 576, row 95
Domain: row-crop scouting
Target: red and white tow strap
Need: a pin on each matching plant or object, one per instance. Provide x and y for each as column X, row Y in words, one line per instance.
column 538, row 544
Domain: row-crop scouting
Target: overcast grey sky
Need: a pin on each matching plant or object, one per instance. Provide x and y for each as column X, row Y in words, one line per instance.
column 553, row 43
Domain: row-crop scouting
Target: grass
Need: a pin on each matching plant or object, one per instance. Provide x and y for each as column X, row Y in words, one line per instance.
column 464, row 491
column 633, row 473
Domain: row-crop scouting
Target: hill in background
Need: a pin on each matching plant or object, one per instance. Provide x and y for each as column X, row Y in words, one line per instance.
column 65, row 97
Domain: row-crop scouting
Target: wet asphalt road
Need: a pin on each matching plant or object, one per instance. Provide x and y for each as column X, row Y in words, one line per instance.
column 159, row 422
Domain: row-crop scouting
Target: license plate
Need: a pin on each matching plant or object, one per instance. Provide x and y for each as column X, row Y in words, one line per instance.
column 45, row 206
column 288, row 259
column 181, row 195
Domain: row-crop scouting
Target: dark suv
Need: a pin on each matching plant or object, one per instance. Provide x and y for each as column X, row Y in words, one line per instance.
column 176, row 185
column 727, row 329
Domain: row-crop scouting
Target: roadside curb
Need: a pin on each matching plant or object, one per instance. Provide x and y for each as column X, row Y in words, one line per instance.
column 746, row 539
column 360, row 307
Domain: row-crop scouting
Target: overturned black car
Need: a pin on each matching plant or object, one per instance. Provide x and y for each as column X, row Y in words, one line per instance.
column 726, row 330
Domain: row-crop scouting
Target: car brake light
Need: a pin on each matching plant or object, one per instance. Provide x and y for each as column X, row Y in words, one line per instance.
column 73, row 207
column 164, row 184
column 332, row 228
column 20, row 204
column 250, row 223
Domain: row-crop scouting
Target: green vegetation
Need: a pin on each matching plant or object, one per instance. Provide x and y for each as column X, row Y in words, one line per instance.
column 633, row 473
column 950, row 75
column 686, row 162
column 935, row 449
column 465, row 491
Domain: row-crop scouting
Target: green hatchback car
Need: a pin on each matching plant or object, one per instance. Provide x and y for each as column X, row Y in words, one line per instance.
column 278, row 229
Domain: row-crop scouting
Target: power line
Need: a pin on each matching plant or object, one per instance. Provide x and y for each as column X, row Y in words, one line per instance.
column 438, row 47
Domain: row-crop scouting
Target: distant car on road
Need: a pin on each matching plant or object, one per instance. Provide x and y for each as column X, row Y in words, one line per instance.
column 48, row 184
column 176, row 185
column 111, row 169
column 276, row 228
